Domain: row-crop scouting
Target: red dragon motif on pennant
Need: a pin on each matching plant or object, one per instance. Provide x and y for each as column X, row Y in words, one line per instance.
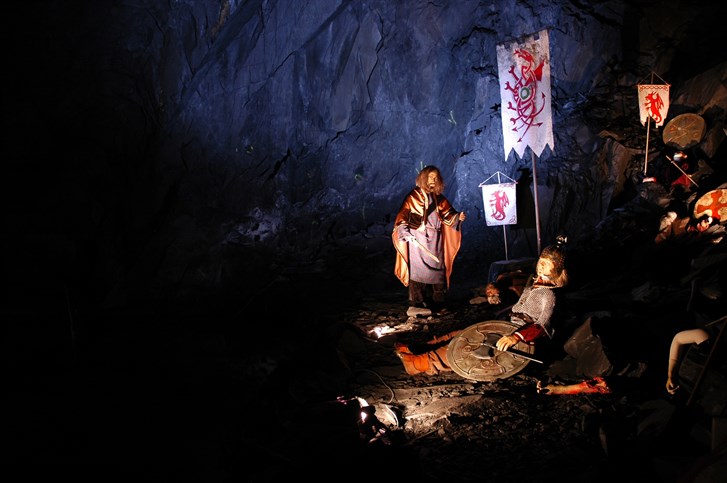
column 498, row 202
column 654, row 104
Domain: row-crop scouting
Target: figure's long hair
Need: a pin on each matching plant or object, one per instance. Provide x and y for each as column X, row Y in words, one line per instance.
column 421, row 181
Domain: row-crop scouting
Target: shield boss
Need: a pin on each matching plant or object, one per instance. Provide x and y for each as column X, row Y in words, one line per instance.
column 497, row 364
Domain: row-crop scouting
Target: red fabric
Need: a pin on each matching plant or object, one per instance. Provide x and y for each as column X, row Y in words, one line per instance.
column 530, row 332
column 597, row 385
column 683, row 179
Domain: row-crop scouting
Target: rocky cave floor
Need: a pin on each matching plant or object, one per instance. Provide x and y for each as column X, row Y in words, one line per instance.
column 312, row 372
column 447, row 428
column 266, row 388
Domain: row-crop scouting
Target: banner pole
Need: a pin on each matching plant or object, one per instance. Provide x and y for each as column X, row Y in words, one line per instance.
column 646, row 151
column 648, row 130
column 535, row 193
column 504, row 237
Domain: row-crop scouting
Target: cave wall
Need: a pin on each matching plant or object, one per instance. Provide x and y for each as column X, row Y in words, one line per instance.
column 158, row 146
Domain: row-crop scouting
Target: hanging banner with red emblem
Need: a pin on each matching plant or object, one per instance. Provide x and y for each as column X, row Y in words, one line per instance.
column 524, row 71
column 653, row 102
column 499, row 201
column 500, row 204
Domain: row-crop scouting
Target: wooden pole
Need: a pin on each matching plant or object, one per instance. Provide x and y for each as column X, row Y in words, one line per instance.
column 648, row 130
column 504, row 237
column 646, row 151
column 504, row 234
column 535, row 195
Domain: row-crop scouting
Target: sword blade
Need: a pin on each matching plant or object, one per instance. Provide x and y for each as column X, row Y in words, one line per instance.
column 683, row 172
column 425, row 250
column 516, row 352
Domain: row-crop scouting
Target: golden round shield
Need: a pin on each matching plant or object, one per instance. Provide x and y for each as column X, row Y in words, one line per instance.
column 488, row 364
column 684, row 131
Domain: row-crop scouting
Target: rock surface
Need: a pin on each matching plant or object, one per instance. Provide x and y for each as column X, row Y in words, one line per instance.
column 184, row 138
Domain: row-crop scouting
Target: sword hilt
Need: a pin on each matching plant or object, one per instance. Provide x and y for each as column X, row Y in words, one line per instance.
column 516, row 352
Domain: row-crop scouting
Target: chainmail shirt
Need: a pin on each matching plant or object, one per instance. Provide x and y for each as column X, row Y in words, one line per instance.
column 536, row 303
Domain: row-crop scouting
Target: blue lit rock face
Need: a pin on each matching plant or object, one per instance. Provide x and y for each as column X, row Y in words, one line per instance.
column 192, row 145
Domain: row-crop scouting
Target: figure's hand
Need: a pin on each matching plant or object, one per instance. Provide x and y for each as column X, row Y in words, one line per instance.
column 462, row 216
column 671, row 387
column 506, row 342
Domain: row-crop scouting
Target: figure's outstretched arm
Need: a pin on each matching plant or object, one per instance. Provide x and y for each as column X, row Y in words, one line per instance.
column 685, row 337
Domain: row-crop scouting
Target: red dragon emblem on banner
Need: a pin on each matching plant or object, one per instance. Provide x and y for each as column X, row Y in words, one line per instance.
column 523, row 67
column 654, row 104
column 525, row 93
column 498, row 202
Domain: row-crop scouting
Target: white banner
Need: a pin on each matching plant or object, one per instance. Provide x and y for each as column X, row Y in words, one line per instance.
column 500, row 203
column 524, row 71
column 653, row 102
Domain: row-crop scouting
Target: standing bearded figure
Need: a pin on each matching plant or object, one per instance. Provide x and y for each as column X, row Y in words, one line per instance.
column 427, row 237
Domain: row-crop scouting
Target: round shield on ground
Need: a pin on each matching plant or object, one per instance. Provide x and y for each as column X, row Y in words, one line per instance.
column 490, row 364
column 712, row 203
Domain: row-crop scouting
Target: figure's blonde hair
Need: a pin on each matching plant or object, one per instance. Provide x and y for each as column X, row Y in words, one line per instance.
column 556, row 254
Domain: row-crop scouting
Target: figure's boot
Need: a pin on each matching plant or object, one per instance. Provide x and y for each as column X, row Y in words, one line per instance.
column 429, row 363
column 414, row 311
column 413, row 363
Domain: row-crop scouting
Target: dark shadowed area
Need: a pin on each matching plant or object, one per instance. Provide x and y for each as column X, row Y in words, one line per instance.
column 198, row 263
